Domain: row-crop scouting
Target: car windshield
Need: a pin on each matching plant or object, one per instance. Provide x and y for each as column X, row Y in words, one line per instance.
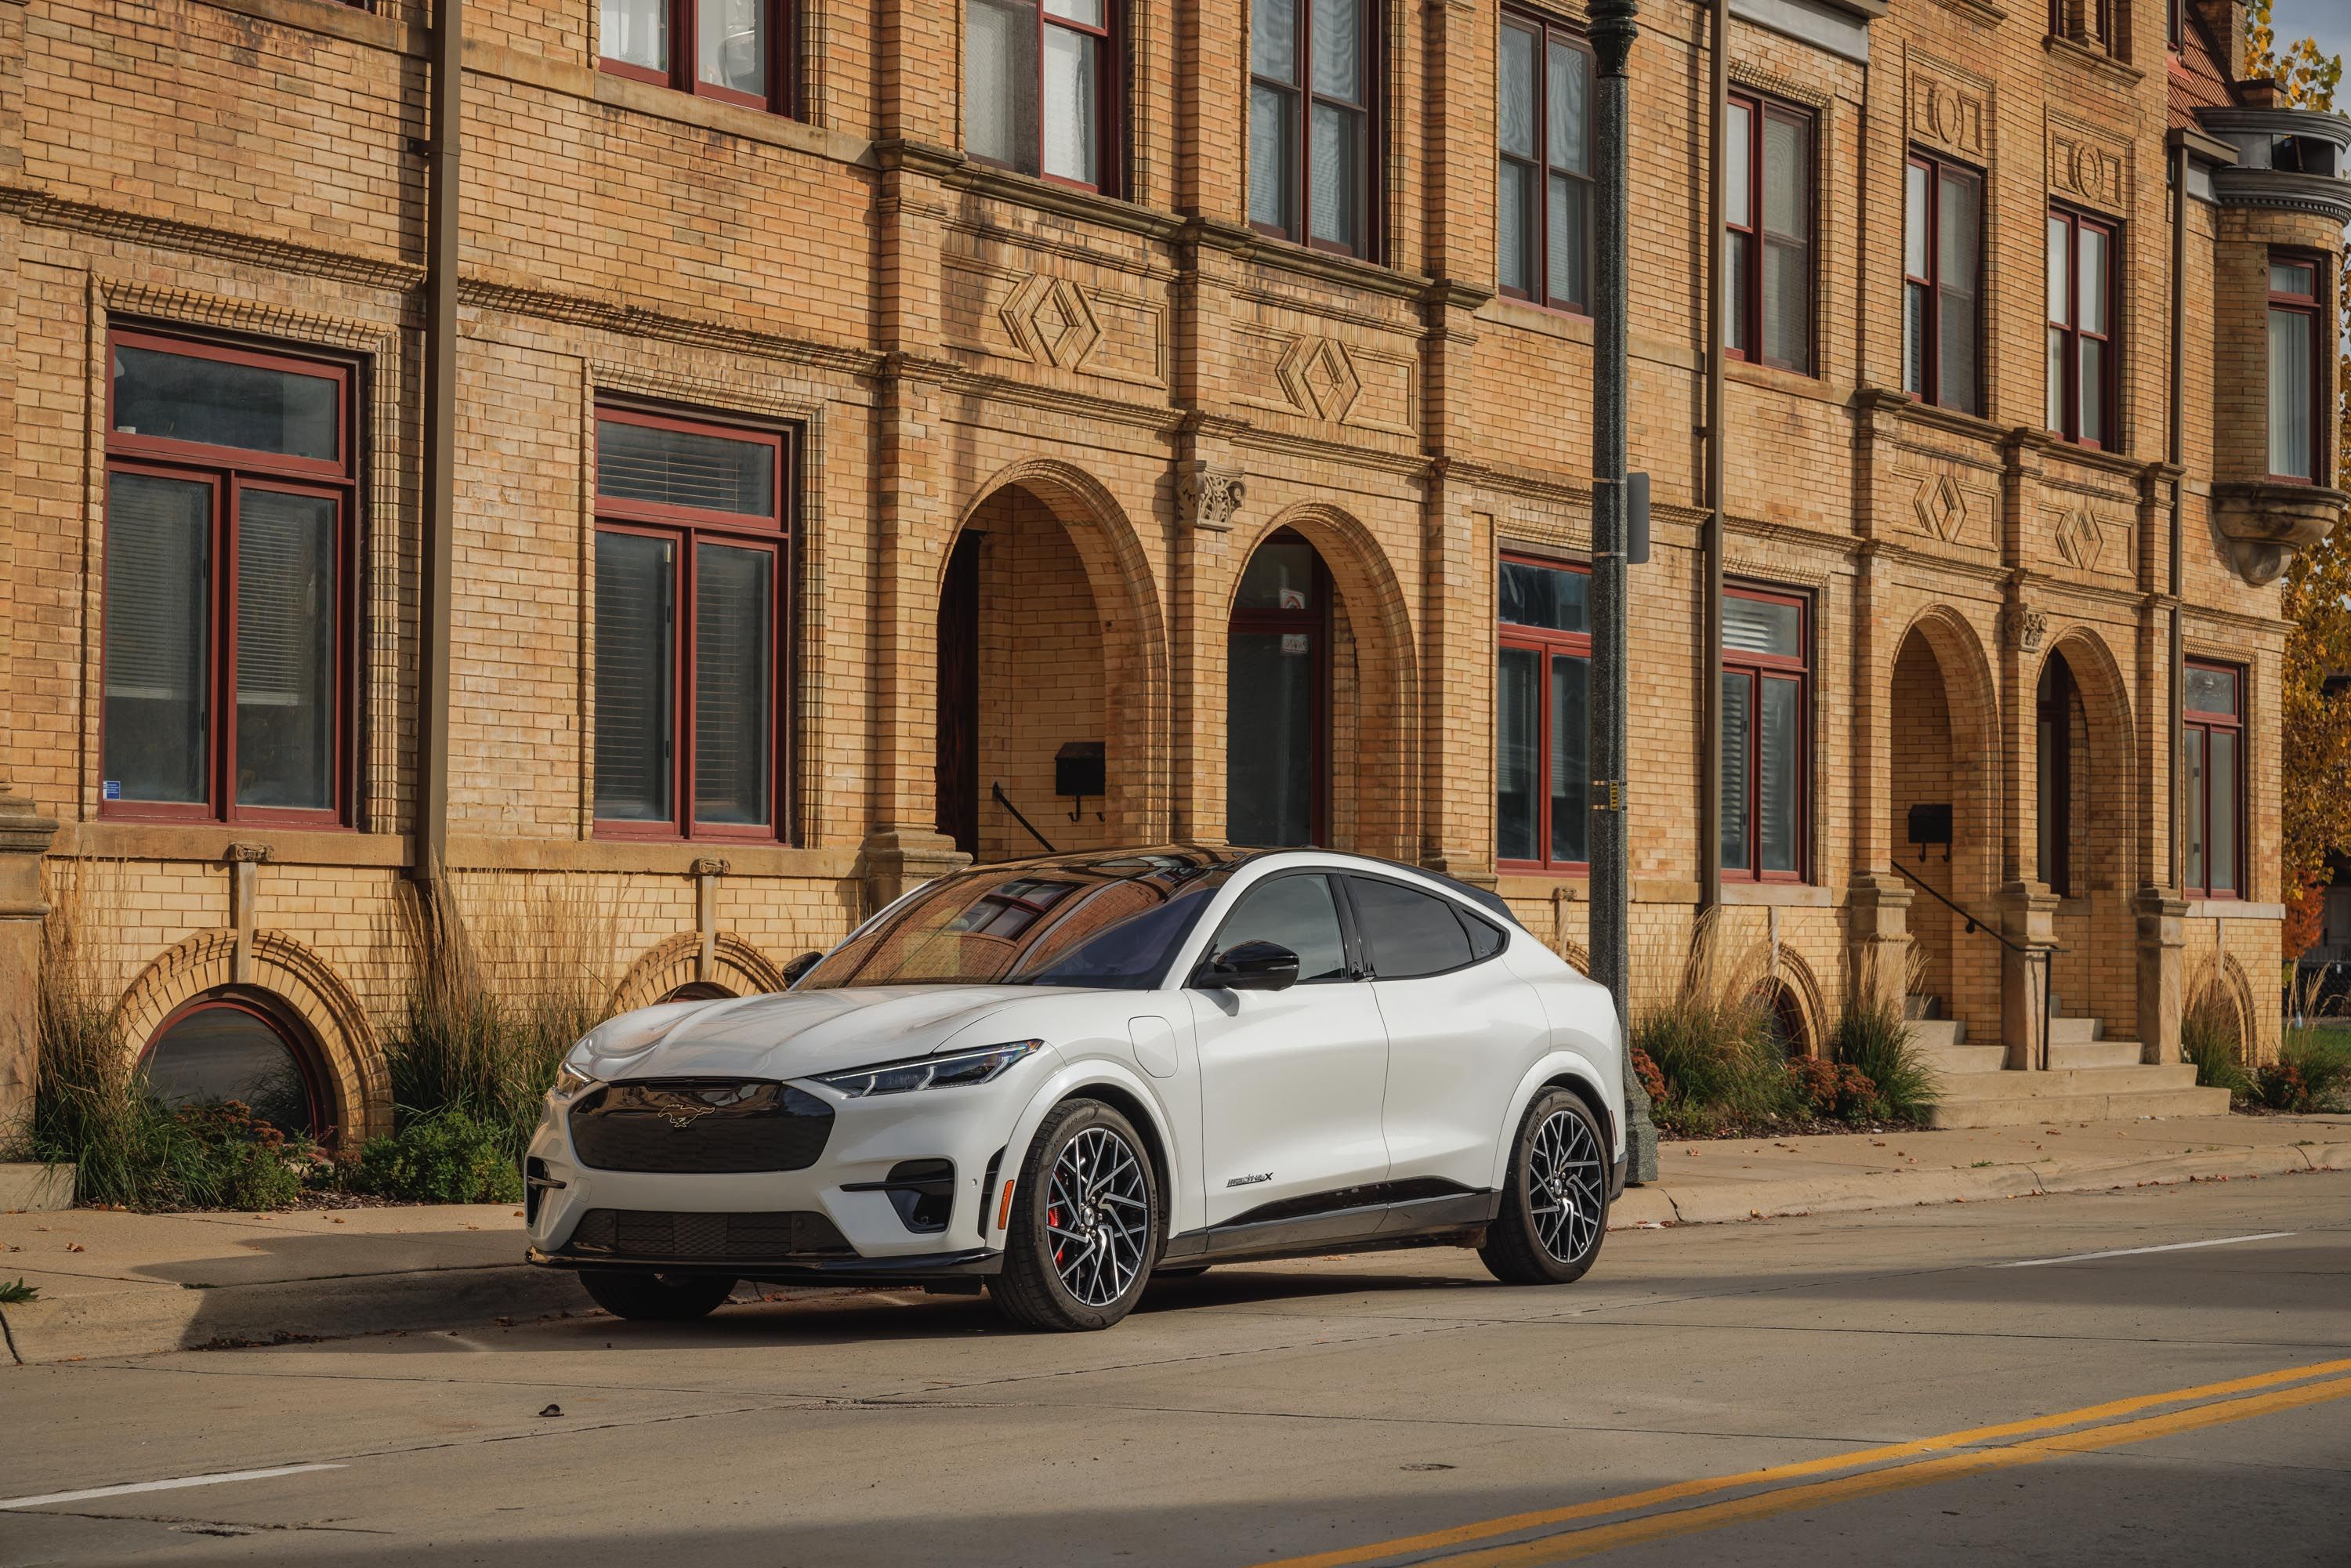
column 1113, row 921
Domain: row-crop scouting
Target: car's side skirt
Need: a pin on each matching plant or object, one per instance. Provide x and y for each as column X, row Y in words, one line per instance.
column 1372, row 1217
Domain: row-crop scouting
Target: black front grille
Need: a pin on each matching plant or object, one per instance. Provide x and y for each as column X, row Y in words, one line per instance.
column 660, row 1235
column 695, row 1125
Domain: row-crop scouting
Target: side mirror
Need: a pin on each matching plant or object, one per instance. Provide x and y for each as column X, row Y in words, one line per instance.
column 1251, row 967
column 799, row 967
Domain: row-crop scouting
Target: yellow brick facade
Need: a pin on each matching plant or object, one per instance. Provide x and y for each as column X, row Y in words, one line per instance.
column 1126, row 397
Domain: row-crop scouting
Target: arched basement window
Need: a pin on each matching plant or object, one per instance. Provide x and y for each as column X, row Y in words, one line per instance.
column 229, row 1047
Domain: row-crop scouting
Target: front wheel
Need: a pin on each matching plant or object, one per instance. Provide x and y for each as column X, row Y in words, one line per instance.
column 1085, row 1223
column 1555, row 1200
column 656, row 1298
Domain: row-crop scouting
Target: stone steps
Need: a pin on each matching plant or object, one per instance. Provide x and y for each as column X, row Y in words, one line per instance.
column 2075, row 1032
column 1964, row 1060
column 2094, row 1053
column 2025, row 1109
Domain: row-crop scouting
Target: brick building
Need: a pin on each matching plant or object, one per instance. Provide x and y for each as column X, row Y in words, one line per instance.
column 858, row 402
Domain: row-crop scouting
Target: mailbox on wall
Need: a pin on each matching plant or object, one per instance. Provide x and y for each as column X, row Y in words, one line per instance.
column 1080, row 772
column 1929, row 826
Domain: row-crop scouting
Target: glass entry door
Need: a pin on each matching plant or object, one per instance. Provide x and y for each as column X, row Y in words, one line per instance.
column 1278, row 698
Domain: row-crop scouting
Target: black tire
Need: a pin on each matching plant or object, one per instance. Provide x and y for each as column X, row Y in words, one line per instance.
column 1078, row 1260
column 1553, row 1219
column 656, row 1298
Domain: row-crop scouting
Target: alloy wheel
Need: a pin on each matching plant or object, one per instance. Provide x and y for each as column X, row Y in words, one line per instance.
column 1098, row 1214
column 1566, row 1191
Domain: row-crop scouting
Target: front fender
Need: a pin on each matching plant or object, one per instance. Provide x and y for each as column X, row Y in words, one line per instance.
column 1559, row 1065
column 1072, row 1078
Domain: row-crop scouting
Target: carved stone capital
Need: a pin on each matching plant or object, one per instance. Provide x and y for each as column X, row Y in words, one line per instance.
column 2023, row 628
column 2266, row 525
column 1209, row 498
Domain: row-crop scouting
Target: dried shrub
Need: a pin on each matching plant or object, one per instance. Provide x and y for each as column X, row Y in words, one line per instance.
column 1872, row 1037
column 1710, row 1038
column 2210, row 1033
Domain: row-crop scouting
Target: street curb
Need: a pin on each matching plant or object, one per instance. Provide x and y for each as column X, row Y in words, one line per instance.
column 1721, row 1203
column 149, row 1320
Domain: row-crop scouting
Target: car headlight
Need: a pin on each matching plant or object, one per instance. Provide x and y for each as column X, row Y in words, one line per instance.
column 952, row 1069
column 570, row 1081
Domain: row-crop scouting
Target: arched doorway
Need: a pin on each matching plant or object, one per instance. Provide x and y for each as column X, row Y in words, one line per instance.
column 1278, row 698
column 2083, row 771
column 1943, row 828
column 1047, row 634
column 699, row 991
column 241, row 1048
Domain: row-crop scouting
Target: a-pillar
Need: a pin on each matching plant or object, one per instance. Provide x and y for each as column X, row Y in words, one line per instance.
column 1878, row 905
column 25, row 836
column 2162, row 972
column 2028, row 919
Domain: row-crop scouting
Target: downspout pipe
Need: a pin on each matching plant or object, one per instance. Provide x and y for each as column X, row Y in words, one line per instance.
column 2174, row 452
column 1710, row 748
column 437, row 519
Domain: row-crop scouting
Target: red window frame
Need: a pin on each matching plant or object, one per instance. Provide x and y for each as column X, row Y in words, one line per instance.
column 2306, row 305
column 1299, row 97
column 686, row 527
column 1761, row 110
column 1110, row 85
column 229, row 471
column 684, row 71
column 1758, row 668
column 2072, row 335
column 1551, row 645
column 2204, row 722
column 1547, row 33
column 1931, row 286
column 290, row 1033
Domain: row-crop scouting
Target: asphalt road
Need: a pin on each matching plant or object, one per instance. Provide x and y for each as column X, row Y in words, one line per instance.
column 1911, row 1395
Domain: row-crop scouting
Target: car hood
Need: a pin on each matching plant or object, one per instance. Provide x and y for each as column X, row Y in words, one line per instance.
column 794, row 1034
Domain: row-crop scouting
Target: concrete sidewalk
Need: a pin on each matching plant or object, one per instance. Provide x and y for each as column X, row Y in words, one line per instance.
column 130, row 1284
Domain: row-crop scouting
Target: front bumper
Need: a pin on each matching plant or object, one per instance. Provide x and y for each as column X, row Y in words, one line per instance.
column 976, row 1263
column 968, row 1127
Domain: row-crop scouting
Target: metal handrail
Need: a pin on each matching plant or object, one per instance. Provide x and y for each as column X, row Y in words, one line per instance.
column 2048, row 954
column 1006, row 801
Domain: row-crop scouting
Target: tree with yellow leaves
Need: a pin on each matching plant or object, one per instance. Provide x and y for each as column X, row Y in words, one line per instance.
column 2316, row 801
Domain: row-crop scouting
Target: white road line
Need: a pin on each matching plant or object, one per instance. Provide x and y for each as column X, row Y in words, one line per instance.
column 161, row 1486
column 2134, row 1251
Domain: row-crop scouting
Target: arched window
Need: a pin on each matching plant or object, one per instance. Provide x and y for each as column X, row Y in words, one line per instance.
column 1276, row 704
column 238, row 1048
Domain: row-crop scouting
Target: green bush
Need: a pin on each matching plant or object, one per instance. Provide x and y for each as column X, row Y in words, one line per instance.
column 15, row 1292
column 2311, row 1072
column 446, row 1156
column 1873, row 1038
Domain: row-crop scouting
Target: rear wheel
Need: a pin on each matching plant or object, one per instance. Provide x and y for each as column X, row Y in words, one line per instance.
column 1555, row 1199
column 1085, row 1223
column 656, row 1298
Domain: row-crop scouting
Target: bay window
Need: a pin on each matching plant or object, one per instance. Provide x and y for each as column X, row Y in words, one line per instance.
column 692, row 559
column 1544, row 195
column 1942, row 272
column 1766, row 697
column 1310, row 85
column 1541, row 709
column 228, row 572
column 2296, row 373
column 1768, row 256
column 740, row 51
column 2213, row 769
column 1040, row 88
column 2082, row 378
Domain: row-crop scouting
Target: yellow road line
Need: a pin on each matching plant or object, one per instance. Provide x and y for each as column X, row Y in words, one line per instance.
column 1512, row 1524
column 1595, row 1538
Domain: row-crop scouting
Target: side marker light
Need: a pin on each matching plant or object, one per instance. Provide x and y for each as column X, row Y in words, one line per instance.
column 1004, row 1210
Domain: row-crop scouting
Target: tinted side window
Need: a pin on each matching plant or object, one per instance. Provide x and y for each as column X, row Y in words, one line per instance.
column 1296, row 912
column 1410, row 933
column 1484, row 938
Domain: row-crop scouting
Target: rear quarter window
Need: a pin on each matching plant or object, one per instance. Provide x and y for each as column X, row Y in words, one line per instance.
column 1410, row 933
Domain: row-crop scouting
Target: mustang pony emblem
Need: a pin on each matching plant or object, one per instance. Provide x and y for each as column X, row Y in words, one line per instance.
column 687, row 1116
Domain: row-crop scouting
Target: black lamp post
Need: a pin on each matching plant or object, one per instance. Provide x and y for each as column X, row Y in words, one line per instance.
column 1612, row 36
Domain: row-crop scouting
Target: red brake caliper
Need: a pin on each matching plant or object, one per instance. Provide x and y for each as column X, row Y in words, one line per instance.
column 1053, row 1220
